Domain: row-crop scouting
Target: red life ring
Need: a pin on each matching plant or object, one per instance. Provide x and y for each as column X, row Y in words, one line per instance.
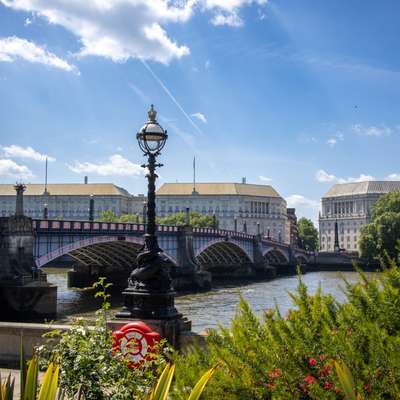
column 135, row 341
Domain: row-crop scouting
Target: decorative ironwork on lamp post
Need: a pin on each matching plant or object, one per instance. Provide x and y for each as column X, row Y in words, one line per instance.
column 149, row 294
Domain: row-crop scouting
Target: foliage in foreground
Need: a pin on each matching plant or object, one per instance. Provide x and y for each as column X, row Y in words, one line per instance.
column 87, row 363
column 294, row 356
column 381, row 237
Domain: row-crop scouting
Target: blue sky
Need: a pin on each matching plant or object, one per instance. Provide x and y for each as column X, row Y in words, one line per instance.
column 296, row 94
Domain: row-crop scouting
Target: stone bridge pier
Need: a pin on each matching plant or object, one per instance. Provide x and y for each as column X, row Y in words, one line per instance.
column 24, row 291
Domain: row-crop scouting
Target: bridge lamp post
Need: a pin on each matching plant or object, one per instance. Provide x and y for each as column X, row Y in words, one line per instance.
column 149, row 294
column 91, row 208
column 45, row 211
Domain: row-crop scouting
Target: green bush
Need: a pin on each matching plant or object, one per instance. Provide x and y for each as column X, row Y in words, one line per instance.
column 293, row 356
column 87, row 363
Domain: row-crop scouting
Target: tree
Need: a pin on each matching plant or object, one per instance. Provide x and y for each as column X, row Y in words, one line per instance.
column 197, row 220
column 308, row 234
column 133, row 218
column 108, row 216
column 380, row 238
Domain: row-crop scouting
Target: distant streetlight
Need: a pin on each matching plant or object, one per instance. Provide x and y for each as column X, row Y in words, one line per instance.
column 45, row 211
column 91, row 208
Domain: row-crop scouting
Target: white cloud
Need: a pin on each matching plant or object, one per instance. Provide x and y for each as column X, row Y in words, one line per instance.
column 115, row 29
column 10, row 169
column 201, row 117
column 227, row 11
column 27, row 153
column 324, row 177
column 116, row 165
column 297, row 200
column 12, row 48
column 393, row 177
column 375, row 131
column 304, row 207
column 264, row 178
column 123, row 29
column 332, row 142
column 27, row 22
column 231, row 19
column 207, row 64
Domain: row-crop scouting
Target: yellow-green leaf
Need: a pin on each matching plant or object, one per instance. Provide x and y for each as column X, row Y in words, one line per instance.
column 31, row 379
column 346, row 380
column 200, row 385
column 49, row 386
column 163, row 384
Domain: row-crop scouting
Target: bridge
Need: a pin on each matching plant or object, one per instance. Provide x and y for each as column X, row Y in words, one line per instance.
column 197, row 255
column 113, row 247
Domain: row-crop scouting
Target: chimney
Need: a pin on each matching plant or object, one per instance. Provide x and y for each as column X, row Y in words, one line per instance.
column 86, row 180
column 244, row 180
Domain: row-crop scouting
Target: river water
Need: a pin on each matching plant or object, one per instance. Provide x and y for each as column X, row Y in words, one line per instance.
column 209, row 309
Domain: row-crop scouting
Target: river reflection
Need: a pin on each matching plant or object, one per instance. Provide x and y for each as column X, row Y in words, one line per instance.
column 207, row 310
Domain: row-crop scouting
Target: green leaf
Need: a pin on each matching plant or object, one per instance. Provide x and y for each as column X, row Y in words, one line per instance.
column 200, row 385
column 163, row 384
column 31, row 379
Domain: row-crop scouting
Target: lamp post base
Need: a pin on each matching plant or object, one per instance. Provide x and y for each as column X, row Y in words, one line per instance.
column 148, row 305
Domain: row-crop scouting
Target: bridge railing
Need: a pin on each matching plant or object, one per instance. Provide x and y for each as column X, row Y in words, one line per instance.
column 222, row 232
column 93, row 227
column 86, row 226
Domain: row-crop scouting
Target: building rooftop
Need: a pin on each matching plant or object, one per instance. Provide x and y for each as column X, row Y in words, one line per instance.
column 210, row 189
column 67, row 189
column 368, row 187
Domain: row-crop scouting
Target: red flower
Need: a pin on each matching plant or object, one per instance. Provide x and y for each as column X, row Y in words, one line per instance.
column 276, row 373
column 337, row 390
column 310, row 380
column 325, row 371
column 328, row 385
column 312, row 362
column 322, row 357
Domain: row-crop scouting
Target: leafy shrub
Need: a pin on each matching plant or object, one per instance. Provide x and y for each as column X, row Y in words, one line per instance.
column 294, row 356
column 87, row 363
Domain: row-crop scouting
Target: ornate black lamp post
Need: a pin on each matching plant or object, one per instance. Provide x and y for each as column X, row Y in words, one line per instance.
column 149, row 294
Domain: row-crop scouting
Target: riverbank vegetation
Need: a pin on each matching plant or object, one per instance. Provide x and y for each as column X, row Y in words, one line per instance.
column 320, row 349
column 293, row 356
column 380, row 238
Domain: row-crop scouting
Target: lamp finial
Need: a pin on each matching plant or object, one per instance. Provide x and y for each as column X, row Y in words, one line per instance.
column 152, row 113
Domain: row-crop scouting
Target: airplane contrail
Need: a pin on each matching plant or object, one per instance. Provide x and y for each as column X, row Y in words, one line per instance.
column 171, row 96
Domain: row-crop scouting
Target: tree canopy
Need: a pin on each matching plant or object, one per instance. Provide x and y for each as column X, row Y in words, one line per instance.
column 308, row 234
column 381, row 237
column 197, row 220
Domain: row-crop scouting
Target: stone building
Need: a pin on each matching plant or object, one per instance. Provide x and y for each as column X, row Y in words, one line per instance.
column 256, row 208
column 292, row 229
column 71, row 201
column 350, row 204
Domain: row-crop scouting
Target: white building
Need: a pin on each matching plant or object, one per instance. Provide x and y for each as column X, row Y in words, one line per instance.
column 249, row 204
column 351, row 205
column 70, row 201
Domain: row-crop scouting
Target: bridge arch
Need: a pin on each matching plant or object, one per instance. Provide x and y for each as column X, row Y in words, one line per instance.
column 222, row 253
column 104, row 251
column 275, row 256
